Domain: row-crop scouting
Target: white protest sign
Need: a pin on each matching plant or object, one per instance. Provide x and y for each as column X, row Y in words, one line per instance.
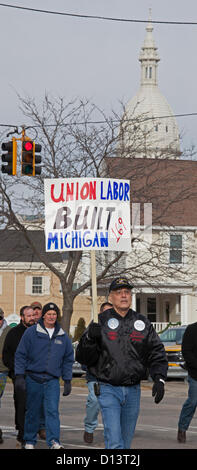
column 87, row 214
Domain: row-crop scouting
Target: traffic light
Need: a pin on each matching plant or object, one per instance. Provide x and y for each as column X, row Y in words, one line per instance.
column 10, row 157
column 29, row 158
column 37, row 158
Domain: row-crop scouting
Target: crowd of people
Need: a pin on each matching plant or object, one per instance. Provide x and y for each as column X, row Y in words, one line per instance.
column 35, row 354
column 117, row 353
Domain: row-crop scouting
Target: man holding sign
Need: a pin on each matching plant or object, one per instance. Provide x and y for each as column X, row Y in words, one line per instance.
column 118, row 351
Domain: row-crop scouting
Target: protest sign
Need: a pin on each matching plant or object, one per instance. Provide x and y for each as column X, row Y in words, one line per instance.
column 87, row 214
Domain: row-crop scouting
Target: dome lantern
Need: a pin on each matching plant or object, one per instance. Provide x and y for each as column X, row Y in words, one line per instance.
column 149, row 57
column 148, row 127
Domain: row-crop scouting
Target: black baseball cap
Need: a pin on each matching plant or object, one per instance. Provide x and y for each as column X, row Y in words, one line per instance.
column 120, row 282
column 50, row 306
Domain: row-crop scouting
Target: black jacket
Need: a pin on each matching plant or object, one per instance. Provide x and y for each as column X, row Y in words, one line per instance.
column 10, row 345
column 189, row 349
column 127, row 348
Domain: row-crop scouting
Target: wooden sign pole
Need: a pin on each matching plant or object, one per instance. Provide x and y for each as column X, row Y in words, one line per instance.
column 94, row 286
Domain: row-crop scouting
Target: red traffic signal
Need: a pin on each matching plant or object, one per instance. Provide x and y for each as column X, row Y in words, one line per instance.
column 28, row 146
column 27, row 158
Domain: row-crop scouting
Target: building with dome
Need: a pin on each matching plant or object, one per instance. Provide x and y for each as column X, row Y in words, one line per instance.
column 148, row 127
column 163, row 271
column 148, row 153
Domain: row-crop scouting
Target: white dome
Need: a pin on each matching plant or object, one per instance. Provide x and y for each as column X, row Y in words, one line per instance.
column 156, row 135
column 148, row 127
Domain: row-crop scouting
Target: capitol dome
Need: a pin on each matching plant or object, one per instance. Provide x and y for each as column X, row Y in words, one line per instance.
column 148, row 127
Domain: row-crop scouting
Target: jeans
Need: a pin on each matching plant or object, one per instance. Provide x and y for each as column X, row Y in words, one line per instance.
column 189, row 407
column 20, row 406
column 3, row 380
column 92, row 410
column 120, row 409
column 42, row 418
column 37, row 394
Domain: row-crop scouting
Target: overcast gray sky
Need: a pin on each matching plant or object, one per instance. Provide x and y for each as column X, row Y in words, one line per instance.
column 97, row 59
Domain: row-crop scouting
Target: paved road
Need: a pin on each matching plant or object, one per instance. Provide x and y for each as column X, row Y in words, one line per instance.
column 156, row 427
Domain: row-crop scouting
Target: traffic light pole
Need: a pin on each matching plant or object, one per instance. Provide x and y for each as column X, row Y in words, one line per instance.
column 14, row 161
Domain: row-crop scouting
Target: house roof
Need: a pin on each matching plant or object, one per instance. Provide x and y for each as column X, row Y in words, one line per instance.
column 170, row 185
column 15, row 248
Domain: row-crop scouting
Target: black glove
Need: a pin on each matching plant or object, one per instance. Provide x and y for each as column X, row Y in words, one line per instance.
column 94, row 331
column 158, row 389
column 67, row 388
column 19, row 383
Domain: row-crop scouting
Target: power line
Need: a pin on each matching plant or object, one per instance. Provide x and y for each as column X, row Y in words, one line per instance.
column 8, row 125
column 80, row 123
column 96, row 17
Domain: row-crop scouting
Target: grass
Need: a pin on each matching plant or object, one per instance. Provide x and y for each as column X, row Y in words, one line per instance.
column 76, row 381
column 79, row 382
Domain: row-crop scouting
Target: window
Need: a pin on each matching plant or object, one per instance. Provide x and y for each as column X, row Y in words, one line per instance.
column 76, row 286
column 148, row 72
column 172, row 335
column 178, row 305
column 138, row 306
column 106, row 257
column 168, row 336
column 151, row 309
column 36, row 285
column 175, row 249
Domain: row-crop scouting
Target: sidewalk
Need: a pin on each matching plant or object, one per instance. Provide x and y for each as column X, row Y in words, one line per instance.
column 10, row 442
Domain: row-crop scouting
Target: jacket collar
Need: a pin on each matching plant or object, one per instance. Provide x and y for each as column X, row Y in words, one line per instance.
column 41, row 328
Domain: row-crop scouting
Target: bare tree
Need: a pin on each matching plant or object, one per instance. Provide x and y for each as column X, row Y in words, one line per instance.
column 71, row 147
column 77, row 140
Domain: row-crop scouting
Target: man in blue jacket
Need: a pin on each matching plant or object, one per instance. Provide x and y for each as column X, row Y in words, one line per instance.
column 44, row 354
